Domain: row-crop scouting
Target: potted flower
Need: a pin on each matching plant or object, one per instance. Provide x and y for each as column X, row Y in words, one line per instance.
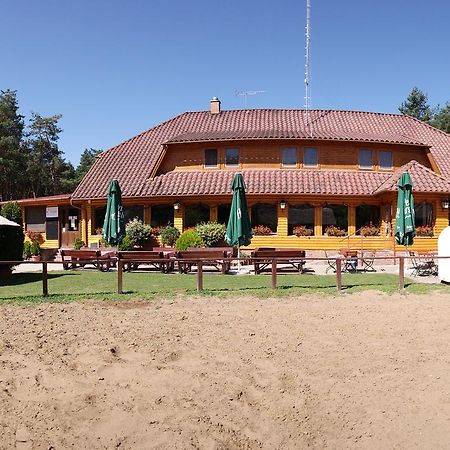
column 35, row 247
column 424, row 231
column 335, row 231
column 301, row 230
column 261, row 230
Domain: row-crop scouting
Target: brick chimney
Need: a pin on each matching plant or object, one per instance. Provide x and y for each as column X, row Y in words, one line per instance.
column 214, row 106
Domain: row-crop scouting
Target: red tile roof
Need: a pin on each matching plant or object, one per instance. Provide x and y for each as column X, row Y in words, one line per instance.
column 424, row 179
column 132, row 162
column 265, row 181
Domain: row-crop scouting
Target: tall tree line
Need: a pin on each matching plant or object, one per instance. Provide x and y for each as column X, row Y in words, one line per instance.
column 31, row 162
column 416, row 105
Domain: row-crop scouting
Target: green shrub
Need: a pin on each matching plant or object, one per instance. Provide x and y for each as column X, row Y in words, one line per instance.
column 35, row 248
column 211, row 233
column 11, row 243
column 126, row 244
column 12, row 211
column 78, row 243
column 169, row 235
column 27, row 249
column 188, row 238
column 137, row 232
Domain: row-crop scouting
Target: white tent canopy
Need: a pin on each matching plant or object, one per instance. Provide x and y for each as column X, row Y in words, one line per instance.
column 6, row 222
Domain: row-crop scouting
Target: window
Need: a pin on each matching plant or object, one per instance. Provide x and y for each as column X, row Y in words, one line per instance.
column 232, row 157
column 162, row 215
column 336, row 216
column 386, row 160
column 265, row 214
column 223, row 213
column 211, row 157
column 310, row 157
column 289, row 156
column 365, row 159
column 132, row 212
column 35, row 218
column 99, row 218
column 367, row 215
column 424, row 214
column 195, row 214
column 300, row 215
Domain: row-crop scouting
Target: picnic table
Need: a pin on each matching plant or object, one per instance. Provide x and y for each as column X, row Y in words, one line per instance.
column 262, row 258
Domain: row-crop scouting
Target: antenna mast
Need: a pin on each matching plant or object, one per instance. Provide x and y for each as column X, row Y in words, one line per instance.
column 307, row 63
column 245, row 94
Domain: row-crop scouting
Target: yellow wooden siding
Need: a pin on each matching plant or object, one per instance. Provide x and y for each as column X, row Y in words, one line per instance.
column 267, row 155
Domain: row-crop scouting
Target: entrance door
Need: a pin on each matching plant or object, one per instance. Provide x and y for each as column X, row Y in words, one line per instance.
column 70, row 226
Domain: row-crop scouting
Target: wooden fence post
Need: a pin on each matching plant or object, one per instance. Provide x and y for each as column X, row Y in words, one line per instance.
column 339, row 273
column 119, row 276
column 44, row 279
column 401, row 272
column 274, row 274
column 199, row 276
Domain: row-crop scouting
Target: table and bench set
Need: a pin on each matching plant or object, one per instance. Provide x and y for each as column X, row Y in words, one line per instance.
column 164, row 259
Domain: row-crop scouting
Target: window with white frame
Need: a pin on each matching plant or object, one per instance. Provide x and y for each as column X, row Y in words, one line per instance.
column 385, row 160
column 232, row 157
column 310, row 157
column 365, row 159
column 289, row 156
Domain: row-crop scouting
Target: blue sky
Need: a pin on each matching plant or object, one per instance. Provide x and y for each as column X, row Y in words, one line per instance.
column 115, row 68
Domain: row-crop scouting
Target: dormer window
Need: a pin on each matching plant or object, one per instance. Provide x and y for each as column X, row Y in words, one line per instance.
column 365, row 159
column 385, row 160
column 289, row 156
column 232, row 157
column 211, row 157
column 310, row 157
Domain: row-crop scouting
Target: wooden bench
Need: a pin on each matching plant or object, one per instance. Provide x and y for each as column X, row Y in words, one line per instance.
column 210, row 256
column 133, row 259
column 79, row 258
column 263, row 258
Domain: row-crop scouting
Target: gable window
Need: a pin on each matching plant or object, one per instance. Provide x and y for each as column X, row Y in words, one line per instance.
column 310, row 157
column 211, row 157
column 385, row 160
column 365, row 159
column 289, row 156
column 232, row 157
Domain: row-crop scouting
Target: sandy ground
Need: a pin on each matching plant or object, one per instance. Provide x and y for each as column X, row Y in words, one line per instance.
column 368, row 371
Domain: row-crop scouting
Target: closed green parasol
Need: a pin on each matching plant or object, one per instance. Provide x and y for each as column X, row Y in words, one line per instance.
column 405, row 229
column 239, row 230
column 114, row 224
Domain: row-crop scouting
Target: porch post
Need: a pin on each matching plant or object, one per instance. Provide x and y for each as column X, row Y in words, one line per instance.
column 213, row 213
column 147, row 214
column 178, row 218
column 282, row 220
column 351, row 220
column 318, row 221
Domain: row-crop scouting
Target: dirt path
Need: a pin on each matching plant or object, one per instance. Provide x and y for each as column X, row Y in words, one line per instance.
column 366, row 371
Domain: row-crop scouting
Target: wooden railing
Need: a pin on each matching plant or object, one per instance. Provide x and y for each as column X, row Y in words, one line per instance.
column 200, row 265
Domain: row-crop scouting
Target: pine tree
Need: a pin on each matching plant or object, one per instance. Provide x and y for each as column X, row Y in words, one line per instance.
column 416, row 105
column 12, row 154
column 441, row 119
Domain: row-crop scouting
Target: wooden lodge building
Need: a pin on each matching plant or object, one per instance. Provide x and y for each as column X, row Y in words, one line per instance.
column 316, row 170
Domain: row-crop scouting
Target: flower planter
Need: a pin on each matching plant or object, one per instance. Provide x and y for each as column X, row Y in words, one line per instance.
column 35, row 258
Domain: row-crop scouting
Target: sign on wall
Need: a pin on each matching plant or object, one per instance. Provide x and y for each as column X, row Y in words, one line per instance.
column 51, row 212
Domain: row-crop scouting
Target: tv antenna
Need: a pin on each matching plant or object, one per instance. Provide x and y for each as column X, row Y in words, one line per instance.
column 308, row 63
column 246, row 94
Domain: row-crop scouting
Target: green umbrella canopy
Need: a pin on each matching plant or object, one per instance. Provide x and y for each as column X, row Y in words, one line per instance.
column 239, row 230
column 405, row 229
column 114, row 224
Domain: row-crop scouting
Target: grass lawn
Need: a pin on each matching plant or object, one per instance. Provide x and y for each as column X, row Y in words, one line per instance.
column 72, row 285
